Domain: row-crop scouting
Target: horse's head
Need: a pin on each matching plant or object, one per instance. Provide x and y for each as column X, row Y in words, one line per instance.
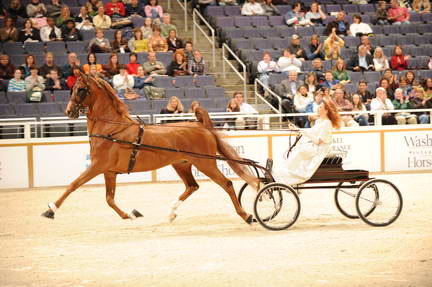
column 80, row 95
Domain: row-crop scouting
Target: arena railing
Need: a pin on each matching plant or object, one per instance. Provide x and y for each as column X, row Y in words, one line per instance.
column 184, row 8
column 226, row 52
column 211, row 39
column 263, row 98
column 18, row 127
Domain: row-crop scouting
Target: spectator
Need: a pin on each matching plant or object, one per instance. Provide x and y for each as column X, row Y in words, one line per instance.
column 312, row 109
column 48, row 66
column 295, row 17
column 365, row 95
column 252, row 8
column 381, row 13
column 232, row 107
column 402, row 102
column 358, row 106
column 99, row 44
column 178, row 66
column 332, row 46
column 315, row 48
column 197, row 66
column 296, row 47
column 8, row 33
column 403, row 85
column 316, row 14
column 34, row 81
column 174, row 106
column 153, row 10
column 28, row 63
column 101, row 21
column 113, row 67
column 301, row 100
column 358, row 28
column 384, row 83
column 94, row 73
column 381, row 102
column 428, row 88
column 318, row 69
column 83, row 20
column 92, row 60
column 119, row 44
column 411, row 78
column 398, row 15
column 93, row 7
column 244, row 107
column 54, row 82
column 339, row 25
column 16, row 10
column 54, row 8
column 138, row 44
column 269, row 8
column 188, row 50
column 70, row 32
column 147, row 29
column 123, row 82
column 50, row 32
column 391, row 78
column 115, row 9
column 134, row 9
column 7, row 70
column 28, row 33
column 174, row 43
column 203, row 4
column 287, row 90
column 421, row 6
column 193, row 106
column 65, row 15
column 17, row 84
column 166, row 26
column 35, row 9
column 311, row 82
column 340, row 73
column 132, row 66
column 380, row 60
column 154, row 67
column 418, row 100
column 399, row 61
column 329, row 81
column 265, row 67
column 344, row 105
column 364, row 40
column 362, row 61
column 141, row 80
column 288, row 62
column 73, row 63
column 156, row 42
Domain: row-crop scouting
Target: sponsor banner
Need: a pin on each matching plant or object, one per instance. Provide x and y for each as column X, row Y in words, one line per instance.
column 252, row 148
column 14, row 167
column 58, row 165
column 408, row 151
column 359, row 150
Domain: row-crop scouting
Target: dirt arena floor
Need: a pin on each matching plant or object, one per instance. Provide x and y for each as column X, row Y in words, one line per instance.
column 208, row 244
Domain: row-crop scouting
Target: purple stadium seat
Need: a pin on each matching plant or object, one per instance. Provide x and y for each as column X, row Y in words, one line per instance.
column 424, row 28
column 204, row 81
column 26, row 110
column 371, row 76
column 56, row 47
column 367, row 8
column 13, row 48
column 285, row 32
column 224, row 22
column 237, row 44
column 427, row 17
column 352, row 41
column 260, row 21
column 243, row 21
column 194, row 93
column 262, row 44
column 232, row 10
column 276, row 21
column 17, row 60
column 268, row 32
column 214, row 11
column 355, row 76
column 70, row 3
column 49, row 110
column 420, row 40
column 408, row 29
column 17, row 97
column 77, row 47
column 305, row 31
column 183, row 81
column 215, row 92
column 415, row 18
column 378, row 29
column 163, row 82
column 250, row 32
column 329, row 19
column 391, row 29
column 87, row 35
column 165, row 57
column 283, row 9
column 123, row 58
column 319, row 30
column 350, row 8
column 3, row 98
column 7, row 111
column 138, row 107
column 138, row 21
column 61, row 95
column 333, row 8
column 276, row 78
column 279, row 43
column 170, row 92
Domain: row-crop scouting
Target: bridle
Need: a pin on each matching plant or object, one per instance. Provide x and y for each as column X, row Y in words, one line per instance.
column 81, row 94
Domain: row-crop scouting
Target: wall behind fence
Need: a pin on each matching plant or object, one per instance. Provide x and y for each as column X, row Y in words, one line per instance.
column 26, row 164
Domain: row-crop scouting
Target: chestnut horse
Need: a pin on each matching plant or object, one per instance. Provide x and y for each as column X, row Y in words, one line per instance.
column 108, row 115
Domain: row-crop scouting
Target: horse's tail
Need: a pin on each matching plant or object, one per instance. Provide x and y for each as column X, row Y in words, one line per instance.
column 226, row 150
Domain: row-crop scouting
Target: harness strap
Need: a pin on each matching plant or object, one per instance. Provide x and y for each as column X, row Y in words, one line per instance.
column 136, row 148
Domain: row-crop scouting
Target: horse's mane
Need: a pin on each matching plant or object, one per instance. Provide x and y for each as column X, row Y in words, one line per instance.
column 119, row 105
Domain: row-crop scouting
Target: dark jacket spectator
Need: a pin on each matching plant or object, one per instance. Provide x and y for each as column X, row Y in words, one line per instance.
column 7, row 70
column 70, row 32
column 362, row 61
column 134, row 8
column 8, row 33
column 339, row 24
column 16, row 9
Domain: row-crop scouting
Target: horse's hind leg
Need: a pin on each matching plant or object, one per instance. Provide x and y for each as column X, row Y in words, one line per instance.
column 184, row 170
column 110, row 187
column 209, row 168
column 87, row 175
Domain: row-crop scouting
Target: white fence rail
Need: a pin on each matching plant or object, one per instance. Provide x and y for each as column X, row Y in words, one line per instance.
column 226, row 51
column 196, row 18
column 183, row 6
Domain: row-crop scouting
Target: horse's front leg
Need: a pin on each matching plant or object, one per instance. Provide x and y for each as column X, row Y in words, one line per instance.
column 110, row 186
column 87, row 175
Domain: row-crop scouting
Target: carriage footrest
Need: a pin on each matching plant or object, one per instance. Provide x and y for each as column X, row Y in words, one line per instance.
column 338, row 175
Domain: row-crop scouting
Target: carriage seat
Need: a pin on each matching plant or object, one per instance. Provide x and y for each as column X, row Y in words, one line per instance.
column 331, row 162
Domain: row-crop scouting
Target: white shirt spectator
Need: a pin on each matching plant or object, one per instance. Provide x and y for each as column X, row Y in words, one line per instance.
column 246, row 108
column 45, row 32
column 287, row 64
column 120, row 82
column 251, row 9
column 301, row 102
column 381, row 64
column 377, row 104
column 362, row 28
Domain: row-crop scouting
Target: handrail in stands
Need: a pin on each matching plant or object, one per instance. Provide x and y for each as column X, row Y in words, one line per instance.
column 225, row 60
column 262, row 97
column 211, row 39
column 184, row 7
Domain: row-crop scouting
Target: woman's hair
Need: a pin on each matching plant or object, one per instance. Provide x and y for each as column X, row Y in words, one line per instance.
column 179, row 107
column 382, row 80
column 332, row 113
column 135, row 31
column 394, row 50
column 301, row 86
column 267, row 53
column 156, row 2
column 315, row 78
column 110, row 65
column 133, row 54
column 413, row 74
column 156, row 28
column 377, row 49
column 360, row 104
column 193, row 104
column 116, row 33
column 88, row 58
column 357, row 16
column 97, row 30
column 179, row 52
column 237, row 107
column 30, row 56
column 335, row 68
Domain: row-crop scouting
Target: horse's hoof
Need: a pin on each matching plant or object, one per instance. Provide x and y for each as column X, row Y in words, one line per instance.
column 135, row 214
column 250, row 219
column 48, row 214
column 171, row 217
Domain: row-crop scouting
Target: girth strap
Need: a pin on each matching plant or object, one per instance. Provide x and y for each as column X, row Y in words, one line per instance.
column 136, row 145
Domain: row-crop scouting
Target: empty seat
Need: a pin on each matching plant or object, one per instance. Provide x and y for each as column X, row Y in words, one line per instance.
column 194, row 93
column 138, row 21
column 204, row 81
column 350, row 8
column 415, row 18
column 49, row 110
column 35, row 48
column 7, row 110
column 206, row 103
column 215, row 92
column 163, row 82
column 174, row 92
column 424, row 28
column 214, row 11
column 259, row 21
column 262, row 44
column 355, row 76
column 183, row 81
column 320, row 30
column 157, row 105
column 250, row 32
column 13, row 48
column 77, row 47
column 285, row 32
column 17, row 97
column 139, row 106
column 420, row 40
column 61, row 95
column 391, row 29
column 305, row 31
column 279, row 43
column 26, row 110
column 224, row 22
column 276, row 21
column 232, row 10
column 427, row 17
column 268, row 32
column 3, row 98
column 367, row 8
column 87, row 35
column 276, row 78
column 243, row 21
column 408, row 29
column 164, row 57
column 56, row 47
column 333, row 8
column 352, row 41
column 371, row 76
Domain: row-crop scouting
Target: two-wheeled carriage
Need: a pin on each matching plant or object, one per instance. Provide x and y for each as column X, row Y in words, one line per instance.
column 276, row 206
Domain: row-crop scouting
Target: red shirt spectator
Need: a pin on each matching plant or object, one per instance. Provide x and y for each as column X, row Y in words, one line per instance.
column 115, row 8
column 399, row 61
column 132, row 67
column 398, row 14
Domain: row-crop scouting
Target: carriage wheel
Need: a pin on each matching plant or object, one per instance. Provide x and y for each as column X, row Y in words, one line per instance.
column 246, row 198
column 345, row 201
column 378, row 202
column 277, row 206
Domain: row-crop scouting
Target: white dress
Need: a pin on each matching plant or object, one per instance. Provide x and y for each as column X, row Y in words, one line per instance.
column 305, row 157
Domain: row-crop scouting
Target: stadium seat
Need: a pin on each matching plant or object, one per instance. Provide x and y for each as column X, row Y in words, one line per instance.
column 408, row 29
column 26, row 110
column 276, row 21
column 367, row 8
column 138, row 21
column 371, row 76
column 261, row 44
column 242, row 21
column 232, row 10
column 3, row 98
column 260, row 21
column 285, row 32
column 7, row 111
column 204, row 81
column 78, row 47
column 50, row 110
column 350, row 8
column 250, row 32
column 17, row 97
column 13, row 48
column 194, row 93
column 163, row 82
column 56, row 47
column 426, row 18
column 268, row 32
column 215, row 92
column 174, row 92
column 183, row 81
column 61, row 95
